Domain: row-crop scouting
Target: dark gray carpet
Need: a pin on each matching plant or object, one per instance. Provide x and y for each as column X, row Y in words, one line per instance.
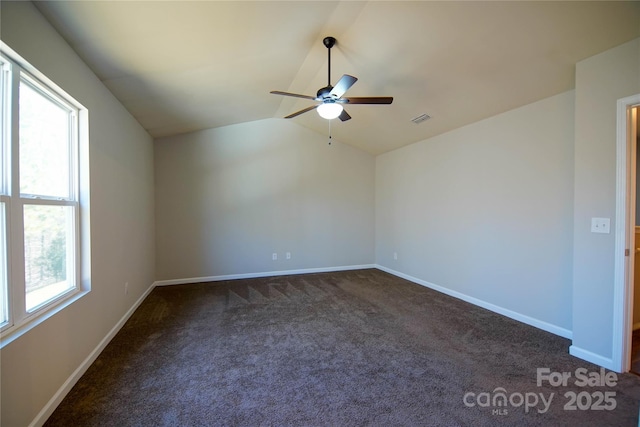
column 333, row 349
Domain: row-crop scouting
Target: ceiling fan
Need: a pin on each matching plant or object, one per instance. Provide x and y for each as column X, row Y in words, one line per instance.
column 330, row 97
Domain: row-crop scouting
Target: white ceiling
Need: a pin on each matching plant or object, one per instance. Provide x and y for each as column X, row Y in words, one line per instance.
column 181, row 66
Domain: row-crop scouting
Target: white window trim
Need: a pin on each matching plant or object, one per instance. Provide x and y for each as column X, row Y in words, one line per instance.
column 21, row 321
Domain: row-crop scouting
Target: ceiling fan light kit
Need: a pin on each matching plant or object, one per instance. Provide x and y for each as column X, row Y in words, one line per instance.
column 330, row 97
column 329, row 110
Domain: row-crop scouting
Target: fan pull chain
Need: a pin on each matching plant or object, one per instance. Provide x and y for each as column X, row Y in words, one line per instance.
column 329, row 131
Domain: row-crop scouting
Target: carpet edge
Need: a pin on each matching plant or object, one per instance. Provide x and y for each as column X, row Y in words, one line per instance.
column 66, row 387
column 204, row 279
column 531, row 321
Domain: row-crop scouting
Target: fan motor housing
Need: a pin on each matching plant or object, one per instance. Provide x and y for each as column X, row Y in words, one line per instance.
column 325, row 92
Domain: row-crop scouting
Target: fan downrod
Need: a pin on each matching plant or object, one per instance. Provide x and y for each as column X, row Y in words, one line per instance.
column 329, row 42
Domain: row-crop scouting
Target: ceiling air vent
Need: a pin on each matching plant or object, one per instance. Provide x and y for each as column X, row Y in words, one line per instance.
column 421, row 118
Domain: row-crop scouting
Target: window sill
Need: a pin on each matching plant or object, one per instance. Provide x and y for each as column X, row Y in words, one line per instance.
column 16, row 331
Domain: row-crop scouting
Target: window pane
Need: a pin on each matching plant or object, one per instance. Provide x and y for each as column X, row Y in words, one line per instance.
column 4, row 280
column 4, row 127
column 44, row 144
column 48, row 252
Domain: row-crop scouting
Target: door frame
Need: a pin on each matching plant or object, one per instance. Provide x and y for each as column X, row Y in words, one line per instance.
column 624, row 236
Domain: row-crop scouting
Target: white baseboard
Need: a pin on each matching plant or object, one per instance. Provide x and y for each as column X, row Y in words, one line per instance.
column 480, row 303
column 53, row 403
column 605, row 362
column 261, row 274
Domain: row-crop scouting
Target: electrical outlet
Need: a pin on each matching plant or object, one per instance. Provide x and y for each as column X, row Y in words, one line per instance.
column 395, row 255
column 274, row 256
column 126, row 288
column 288, row 255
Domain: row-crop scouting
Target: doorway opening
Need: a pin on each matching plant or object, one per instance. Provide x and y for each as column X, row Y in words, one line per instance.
column 634, row 273
column 625, row 240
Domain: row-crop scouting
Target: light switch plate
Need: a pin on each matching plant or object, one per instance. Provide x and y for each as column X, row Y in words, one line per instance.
column 601, row 225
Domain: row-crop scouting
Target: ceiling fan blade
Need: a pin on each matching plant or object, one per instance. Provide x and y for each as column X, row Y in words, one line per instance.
column 343, row 85
column 344, row 116
column 290, row 116
column 277, row 92
column 370, row 100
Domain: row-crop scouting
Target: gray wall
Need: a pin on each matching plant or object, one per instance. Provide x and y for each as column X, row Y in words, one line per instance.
column 37, row 364
column 227, row 198
column 486, row 211
column 600, row 81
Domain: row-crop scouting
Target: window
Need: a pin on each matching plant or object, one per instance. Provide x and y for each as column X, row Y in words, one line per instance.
column 41, row 152
column 5, row 105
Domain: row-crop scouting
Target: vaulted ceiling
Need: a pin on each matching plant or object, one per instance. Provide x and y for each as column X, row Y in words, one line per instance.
column 181, row 66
